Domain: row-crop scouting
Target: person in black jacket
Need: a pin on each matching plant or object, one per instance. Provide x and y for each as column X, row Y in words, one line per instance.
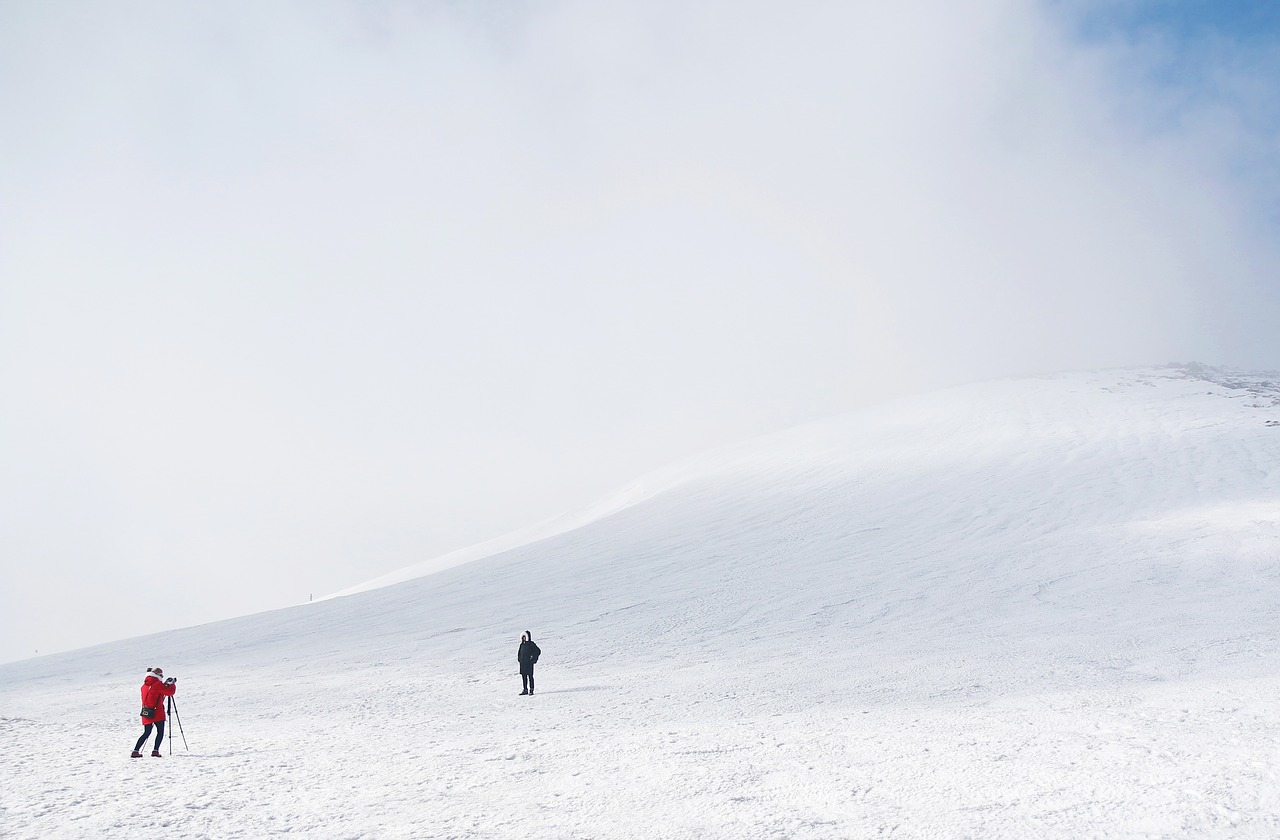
column 527, row 656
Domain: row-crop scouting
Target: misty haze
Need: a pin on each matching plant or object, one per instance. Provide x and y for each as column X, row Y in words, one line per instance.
column 864, row 407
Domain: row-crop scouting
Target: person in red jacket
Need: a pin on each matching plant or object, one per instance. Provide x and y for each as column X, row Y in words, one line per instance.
column 153, row 693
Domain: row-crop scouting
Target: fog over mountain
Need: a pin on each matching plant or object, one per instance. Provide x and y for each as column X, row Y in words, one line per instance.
column 296, row 294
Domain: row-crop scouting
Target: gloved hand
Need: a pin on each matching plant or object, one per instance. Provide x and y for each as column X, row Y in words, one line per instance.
column 171, row 681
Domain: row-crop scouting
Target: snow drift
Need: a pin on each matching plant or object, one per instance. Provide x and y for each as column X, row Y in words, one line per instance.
column 1033, row 607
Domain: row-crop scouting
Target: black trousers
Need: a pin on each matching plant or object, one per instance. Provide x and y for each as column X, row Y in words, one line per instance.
column 146, row 730
column 527, row 678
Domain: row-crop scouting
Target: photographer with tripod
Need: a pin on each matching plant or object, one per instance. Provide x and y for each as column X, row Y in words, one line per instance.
column 154, row 693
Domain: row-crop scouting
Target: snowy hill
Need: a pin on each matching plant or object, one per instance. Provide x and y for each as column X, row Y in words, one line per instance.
column 1038, row 607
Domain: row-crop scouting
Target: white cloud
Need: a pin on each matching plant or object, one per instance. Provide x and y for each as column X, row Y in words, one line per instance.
column 301, row 293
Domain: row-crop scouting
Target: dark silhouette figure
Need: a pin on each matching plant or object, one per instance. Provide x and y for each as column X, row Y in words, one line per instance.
column 527, row 656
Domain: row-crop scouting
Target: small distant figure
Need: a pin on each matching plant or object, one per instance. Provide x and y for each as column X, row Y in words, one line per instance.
column 527, row 656
column 153, row 693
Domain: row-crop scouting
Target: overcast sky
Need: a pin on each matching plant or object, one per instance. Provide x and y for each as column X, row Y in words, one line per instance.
column 294, row 294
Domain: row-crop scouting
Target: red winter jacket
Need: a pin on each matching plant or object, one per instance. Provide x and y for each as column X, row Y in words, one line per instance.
column 153, row 694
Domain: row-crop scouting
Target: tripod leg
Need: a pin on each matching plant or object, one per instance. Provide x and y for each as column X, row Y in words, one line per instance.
column 178, row 720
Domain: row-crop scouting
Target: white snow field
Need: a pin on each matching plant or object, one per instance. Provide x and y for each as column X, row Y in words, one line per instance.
column 1035, row 608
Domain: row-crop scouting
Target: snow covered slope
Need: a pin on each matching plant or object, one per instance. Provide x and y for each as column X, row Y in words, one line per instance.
column 1027, row 608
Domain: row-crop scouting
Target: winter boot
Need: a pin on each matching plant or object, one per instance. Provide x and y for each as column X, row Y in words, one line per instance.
column 136, row 754
column 156, row 754
column 523, row 693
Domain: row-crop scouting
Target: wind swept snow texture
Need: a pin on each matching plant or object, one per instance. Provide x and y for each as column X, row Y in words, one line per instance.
column 1025, row 608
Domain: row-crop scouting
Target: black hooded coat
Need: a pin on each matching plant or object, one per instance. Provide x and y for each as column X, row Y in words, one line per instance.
column 527, row 655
